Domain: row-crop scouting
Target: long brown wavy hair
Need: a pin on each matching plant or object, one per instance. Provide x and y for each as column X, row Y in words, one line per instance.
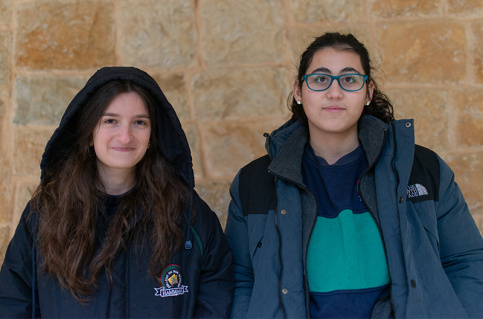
column 70, row 198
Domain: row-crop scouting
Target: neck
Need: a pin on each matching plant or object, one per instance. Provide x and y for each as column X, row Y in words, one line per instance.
column 115, row 182
column 332, row 147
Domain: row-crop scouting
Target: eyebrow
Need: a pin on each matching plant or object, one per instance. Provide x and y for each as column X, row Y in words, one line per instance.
column 344, row 70
column 135, row 116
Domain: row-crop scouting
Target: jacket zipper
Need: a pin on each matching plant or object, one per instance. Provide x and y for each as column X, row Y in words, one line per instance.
column 304, row 252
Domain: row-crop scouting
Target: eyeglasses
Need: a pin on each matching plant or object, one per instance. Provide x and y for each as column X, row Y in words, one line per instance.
column 348, row 82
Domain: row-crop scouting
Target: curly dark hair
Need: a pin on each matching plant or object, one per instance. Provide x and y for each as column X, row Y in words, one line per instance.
column 380, row 105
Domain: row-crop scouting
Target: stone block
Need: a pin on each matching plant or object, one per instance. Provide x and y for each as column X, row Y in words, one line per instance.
column 157, row 33
column 477, row 48
column 468, row 175
column 469, row 117
column 2, row 113
column 308, row 11
column 57, row 34
column 241, row 93
column 5, row 45
column 418, row 52
column 405, row 8
column 4, row 241
column 465, row 8
column 237, row 32
column 174, row 87
column 5, row 12
column 193, row 136
column 28, row 150
column 42, row 100
column 217, row 195
column 429, row 109
column 5, row 194
column 228, row 146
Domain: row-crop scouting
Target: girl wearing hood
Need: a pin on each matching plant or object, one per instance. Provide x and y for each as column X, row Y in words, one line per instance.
column 115, row 228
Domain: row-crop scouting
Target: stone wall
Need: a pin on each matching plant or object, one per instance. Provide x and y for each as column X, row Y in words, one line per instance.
column 227, row 66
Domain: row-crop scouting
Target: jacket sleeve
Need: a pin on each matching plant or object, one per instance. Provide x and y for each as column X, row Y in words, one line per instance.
column 461, row 245
column 16, row 279
column 237, row 235
column 216, row 283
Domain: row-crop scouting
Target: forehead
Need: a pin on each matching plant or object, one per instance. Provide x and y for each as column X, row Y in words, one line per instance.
column 335, row 60
column 129, row 101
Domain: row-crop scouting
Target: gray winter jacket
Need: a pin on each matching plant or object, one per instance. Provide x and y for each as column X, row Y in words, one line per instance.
column 433, row 247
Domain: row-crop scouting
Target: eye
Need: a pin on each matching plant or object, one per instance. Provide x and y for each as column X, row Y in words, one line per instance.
column 349, row 79
column 110, row 121
column 320, row 78
column 141, row 122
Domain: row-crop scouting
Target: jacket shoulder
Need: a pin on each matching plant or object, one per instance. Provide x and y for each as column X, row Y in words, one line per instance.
column 256, row 187
column 425, row 175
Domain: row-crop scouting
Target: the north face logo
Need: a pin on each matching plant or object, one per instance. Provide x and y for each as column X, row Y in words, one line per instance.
column 416, row 190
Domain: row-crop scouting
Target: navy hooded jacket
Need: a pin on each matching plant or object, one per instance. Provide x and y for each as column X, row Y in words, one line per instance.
column 202, row 266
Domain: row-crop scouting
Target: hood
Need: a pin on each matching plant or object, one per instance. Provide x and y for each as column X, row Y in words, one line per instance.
column 171, row 137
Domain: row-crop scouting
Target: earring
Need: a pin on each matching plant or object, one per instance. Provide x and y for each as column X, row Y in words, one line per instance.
column 298, row 102
column 368, row 103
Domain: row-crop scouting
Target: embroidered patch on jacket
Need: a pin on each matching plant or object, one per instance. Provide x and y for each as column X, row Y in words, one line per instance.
column 172, row 281
column 416, row 190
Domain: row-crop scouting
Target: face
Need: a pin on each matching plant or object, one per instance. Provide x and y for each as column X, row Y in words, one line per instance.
column 333, row 111
column 121, row 137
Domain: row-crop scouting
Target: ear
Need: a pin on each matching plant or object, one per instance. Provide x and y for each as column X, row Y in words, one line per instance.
column 370, row 91
column 297, row 91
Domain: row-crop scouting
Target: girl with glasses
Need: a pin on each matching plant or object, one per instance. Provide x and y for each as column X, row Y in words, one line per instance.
column 346, row 217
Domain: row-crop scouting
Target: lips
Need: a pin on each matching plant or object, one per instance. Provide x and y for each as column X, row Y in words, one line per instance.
column 123, row 149
column 333, row 109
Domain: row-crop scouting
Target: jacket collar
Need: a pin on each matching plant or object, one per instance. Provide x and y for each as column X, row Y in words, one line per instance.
column 286, row 146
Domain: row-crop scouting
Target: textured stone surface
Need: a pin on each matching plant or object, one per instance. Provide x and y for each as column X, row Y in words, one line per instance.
column 42, row 100
column 468, row 175
column 469, row 117
column 4, row 240
column 174, row 87
column 5, row 194
column 406, row 8
column 430, row 53
column 429, row 110
column 216, row 195
column 229, row 145
column 157, row 33
column 2, row 111
column 4, row 64
column 65, row 35
column 466, row 8
column 477, row 48
column 221, row 94
column 29, row 147
column 308, row 11
column 5, row 12
column 237, row 32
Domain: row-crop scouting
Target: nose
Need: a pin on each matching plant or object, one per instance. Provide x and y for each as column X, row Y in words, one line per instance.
column 124, row 134
column 334, row 91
